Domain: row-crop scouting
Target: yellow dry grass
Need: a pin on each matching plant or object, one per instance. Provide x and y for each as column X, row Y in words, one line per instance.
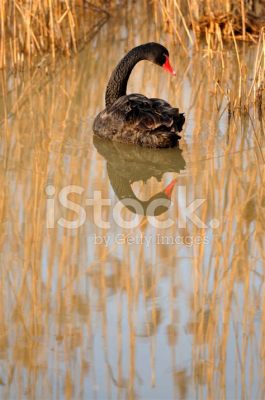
column 37, row 27
column 225, row 19
column 218, row 28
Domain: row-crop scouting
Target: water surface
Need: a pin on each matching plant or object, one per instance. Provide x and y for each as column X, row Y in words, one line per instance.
column 109, row 312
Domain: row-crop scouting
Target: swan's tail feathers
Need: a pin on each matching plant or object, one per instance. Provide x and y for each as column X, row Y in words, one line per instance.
column 179, row 121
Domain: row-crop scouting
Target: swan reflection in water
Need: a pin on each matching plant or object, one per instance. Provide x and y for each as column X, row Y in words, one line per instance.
column 127, row 164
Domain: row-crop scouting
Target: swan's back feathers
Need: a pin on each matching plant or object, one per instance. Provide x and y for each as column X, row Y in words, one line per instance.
column 136, row 119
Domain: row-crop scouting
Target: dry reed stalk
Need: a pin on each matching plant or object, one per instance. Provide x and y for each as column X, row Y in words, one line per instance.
column 175, row 29
column 2, row 44
column 239, row 65
column 183, row 21
column 243, row 14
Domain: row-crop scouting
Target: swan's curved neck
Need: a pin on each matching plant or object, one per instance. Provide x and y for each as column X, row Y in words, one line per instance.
column 118, row 81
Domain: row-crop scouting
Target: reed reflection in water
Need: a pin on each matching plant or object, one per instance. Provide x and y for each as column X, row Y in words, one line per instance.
column 80, row 319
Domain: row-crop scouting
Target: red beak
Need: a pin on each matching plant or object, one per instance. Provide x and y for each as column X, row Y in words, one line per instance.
column 169, row 188
column 168, row 67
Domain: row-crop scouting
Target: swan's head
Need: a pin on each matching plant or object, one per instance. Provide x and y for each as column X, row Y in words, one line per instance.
column 159, row 55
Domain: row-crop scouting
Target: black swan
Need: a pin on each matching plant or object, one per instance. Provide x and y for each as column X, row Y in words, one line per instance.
column 134, row 118
column 126, row 167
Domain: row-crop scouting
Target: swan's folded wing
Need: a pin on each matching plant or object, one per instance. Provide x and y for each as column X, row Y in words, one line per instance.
column 136, row 119
column 149, row 114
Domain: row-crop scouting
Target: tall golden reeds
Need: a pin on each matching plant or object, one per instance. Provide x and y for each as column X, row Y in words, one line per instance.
column 217, row 28
column 231, row 17
column 30, row 29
